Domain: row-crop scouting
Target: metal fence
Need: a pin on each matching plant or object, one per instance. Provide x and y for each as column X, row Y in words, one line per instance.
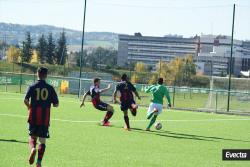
column 186, row 98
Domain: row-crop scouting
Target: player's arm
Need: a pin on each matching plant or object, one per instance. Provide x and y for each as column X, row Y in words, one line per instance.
column 27, row 97
column 149, row 89
column 137, row 95
column 84, row 97
column 135, row 91
column 55, row 100
column 114, row 96
column 105, row 89
column 168, row 97
column 27, row 103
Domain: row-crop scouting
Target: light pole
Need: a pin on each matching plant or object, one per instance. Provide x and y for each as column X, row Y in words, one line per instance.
column 81, row 56
column 230, row 62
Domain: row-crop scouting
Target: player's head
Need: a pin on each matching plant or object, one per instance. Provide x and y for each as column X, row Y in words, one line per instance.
column 160, row 81
column 124, row 77
column 42, row 73
column 97, row 81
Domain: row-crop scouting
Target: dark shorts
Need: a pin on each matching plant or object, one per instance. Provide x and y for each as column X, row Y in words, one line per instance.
column 101, row 106
column 127, row 105
column 39, row 131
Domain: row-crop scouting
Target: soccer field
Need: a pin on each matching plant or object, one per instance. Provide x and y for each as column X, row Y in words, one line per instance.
column 187, row 138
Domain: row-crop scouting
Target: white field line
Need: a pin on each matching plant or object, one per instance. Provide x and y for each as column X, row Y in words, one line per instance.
column 180, row 120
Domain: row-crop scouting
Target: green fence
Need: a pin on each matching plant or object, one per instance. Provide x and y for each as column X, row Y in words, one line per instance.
column 199, row 99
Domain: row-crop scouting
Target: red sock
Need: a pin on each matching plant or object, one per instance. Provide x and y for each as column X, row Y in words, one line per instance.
column 32, row 142
column 41, row 150
column 126, row 119
column 108, row 116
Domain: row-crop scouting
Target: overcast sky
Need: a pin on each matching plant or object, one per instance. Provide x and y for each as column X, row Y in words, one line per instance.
column 150, row 17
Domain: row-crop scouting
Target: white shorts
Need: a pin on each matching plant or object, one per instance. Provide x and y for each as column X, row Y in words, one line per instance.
column 152, row 106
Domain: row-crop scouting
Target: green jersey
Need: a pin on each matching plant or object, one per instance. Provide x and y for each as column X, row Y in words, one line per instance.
column 158, row 92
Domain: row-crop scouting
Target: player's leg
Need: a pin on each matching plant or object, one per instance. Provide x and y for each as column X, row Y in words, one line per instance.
column 150, row 111
column 133, row 108
column 126, row 120
column 41, row 150
column 109, row 114
column 32, row 144
column 157, row 109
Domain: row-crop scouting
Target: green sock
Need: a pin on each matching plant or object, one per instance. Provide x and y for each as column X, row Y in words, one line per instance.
column 150, row 115
column 152, row 121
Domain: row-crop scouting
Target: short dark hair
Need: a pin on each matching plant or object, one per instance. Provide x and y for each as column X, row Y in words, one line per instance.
column 42, row 71
column 124, row 77
column 96, row 80
column 160, row 81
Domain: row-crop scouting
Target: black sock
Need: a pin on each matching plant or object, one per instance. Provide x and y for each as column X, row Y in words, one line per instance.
column 126, row 119
column 108, row 116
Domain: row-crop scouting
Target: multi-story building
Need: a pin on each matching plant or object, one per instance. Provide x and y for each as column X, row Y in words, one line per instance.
column 211, row 53
column 151, row 50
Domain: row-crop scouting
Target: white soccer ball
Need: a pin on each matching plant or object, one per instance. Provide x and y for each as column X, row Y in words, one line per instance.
column 158, row 126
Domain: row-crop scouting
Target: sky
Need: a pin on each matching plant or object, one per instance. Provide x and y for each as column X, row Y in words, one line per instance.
column 150, row 17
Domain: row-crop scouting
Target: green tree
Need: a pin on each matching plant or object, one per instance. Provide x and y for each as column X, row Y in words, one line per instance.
column 50, row 57
column 42, row 49
column 27, row 48
column 61, row 49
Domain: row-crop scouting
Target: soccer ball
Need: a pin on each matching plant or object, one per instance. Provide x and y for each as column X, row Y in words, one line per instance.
column 158, row 126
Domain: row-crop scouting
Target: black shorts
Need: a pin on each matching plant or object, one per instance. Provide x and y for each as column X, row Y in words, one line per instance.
column 39, row 131
column 127, row 105
column 101, row 106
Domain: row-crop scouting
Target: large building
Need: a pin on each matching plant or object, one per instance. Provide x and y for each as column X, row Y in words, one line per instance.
column 151, row 50
column 211, row 53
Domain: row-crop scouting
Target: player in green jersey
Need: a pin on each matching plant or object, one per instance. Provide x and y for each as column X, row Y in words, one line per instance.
column 155, row 107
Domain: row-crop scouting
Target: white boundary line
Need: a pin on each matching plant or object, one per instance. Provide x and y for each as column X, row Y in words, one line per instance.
column 75, row 121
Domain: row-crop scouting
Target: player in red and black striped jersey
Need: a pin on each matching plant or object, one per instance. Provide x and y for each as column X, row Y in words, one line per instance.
column 126, row 90
column 38, row 100
column 95, row 92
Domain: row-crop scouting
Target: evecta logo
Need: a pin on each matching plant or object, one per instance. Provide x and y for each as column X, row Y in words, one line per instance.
column 236, row 154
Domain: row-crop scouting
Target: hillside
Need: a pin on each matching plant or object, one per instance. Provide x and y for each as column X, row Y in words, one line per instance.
column 15, row 33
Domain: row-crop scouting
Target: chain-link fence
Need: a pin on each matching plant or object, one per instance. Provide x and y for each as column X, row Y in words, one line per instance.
column 186, row 98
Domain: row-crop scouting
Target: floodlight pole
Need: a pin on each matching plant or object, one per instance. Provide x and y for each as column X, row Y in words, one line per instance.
column 230, row 62
column 81, row 55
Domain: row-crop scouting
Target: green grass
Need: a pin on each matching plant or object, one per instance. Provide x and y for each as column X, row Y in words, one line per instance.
column 187, row 138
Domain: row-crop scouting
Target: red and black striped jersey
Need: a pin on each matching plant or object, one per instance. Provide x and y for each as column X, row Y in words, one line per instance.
column 41, row 96
column 94, row 92
column 126, row 90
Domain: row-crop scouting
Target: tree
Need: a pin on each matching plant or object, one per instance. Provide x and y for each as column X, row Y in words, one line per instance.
column 42, row 49
column 134, row 78
column 140, row 67
column 50, row 57
column 152, row 80
column 27, row 48
column 13, row 54
column 188, row 69
column 61, row 49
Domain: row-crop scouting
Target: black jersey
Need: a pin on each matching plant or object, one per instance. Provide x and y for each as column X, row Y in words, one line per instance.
column 126, row 90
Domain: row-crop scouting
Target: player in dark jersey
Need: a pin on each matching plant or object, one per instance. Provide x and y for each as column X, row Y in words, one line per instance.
column 126, row 90
column 38, row 100
column 95, row 92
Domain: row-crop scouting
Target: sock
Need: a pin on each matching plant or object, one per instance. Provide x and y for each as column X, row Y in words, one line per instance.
column 107, row 116
column 126, row 119
column 133, row 111
column 41, row 150
column 152, row 121
column 32, row 142
column 150, row 115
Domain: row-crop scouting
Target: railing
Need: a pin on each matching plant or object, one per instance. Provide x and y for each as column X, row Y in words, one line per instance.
column 185, row 98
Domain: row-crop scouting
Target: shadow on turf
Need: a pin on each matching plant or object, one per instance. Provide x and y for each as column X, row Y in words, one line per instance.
column 187, row 136
column 166, row 134
column 13, row 141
